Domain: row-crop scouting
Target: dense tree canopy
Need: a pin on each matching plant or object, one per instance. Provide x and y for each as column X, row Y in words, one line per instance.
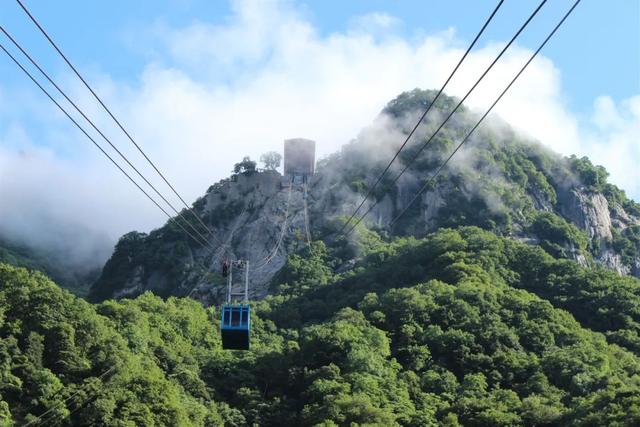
column 466, row 325
column 460, row 328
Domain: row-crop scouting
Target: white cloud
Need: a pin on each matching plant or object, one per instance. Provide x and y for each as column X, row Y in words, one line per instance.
column 374, row 22
column 219, row 92
column 615, row 141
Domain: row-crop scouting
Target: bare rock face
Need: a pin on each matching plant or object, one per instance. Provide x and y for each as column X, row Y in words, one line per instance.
column 432, row 201
column 581, row 259
column 620, row 219
column 267, row 222
column 497, row 184
column 133, row 286
column 589, row 212
column 382, row 212
column 540, row 200
column 612, row 260
column 592, row 213
column 254, row 217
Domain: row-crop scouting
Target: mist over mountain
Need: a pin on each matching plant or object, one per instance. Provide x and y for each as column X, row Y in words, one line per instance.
column 67, row 251
column 499, row 181
column 67, row 272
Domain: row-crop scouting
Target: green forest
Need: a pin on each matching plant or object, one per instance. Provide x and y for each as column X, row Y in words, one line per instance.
column 461, row 327
column 260, row 213
column 497, row 311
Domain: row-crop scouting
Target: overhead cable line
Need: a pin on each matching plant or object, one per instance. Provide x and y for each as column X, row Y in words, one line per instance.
column 207, row 270
column 273, row 252
column 104, row 106
column 228, row 240
column 195, row 238
column 39, row 420
column 426, row 144
column 80, row 406
column 76, row 409
column 415, row 128
column 75, row 106
column 441, row 167
column 307, row 230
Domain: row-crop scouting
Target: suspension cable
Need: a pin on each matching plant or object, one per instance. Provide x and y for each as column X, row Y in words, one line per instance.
column 263, row 262
column 415, row 156
column 213, row 254
column 95, row 95
column 307, row 231
column 415, row 128
column 437, row 172
column 38, row 420
column 195, row 238
column 44, row 73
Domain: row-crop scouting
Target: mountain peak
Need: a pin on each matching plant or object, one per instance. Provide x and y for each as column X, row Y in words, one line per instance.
column 500, row 182
column 418, row 100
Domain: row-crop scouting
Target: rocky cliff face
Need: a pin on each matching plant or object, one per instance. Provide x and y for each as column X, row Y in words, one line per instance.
column 501, row 183
column 592, row 213
column 589, row 212
column 248, row 215
column 270, row 224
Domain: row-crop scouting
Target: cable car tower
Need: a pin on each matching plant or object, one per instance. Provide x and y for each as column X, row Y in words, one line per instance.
column 299, row 162
column 235, row 325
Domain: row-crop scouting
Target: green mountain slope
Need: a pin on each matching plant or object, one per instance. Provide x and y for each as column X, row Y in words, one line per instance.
column 71, row 278
column 506, row 296
column 461, row 327
column 500, row 181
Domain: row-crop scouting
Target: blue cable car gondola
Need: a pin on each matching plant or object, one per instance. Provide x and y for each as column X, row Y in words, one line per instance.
column 236, row 326
column 235, row 323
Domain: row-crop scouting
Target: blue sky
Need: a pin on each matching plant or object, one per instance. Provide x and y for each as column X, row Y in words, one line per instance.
column 202, row 83
column 599, row 53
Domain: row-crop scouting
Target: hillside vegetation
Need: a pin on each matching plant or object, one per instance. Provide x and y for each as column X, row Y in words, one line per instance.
column 461, row 327
column 76, row 280
column 507, row 295
column 500, row 182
